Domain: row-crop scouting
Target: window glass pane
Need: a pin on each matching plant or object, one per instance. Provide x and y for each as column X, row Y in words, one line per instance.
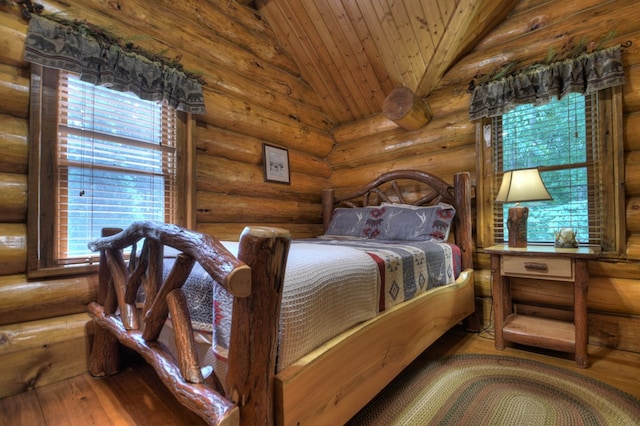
column 101, row 110
column 116, row 163
column 554, row 137
column 545, row 135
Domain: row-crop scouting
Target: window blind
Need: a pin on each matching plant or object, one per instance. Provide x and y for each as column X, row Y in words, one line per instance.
column 116, row 163
column 561, row 139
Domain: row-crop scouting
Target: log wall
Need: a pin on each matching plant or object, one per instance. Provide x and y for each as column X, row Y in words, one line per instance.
column 446, row 145
column 253, row 95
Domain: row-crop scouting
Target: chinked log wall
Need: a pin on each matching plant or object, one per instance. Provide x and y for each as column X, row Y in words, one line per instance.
column 447, row 145
column 253, row 94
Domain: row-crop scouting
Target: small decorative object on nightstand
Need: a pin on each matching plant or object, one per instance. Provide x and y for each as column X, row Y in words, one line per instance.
column 541, row 263
column 566, row 238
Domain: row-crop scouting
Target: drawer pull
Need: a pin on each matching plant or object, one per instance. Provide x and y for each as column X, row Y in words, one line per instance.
column 536, row 266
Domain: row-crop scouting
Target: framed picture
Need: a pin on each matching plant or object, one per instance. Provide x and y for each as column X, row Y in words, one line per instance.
column 276, row 164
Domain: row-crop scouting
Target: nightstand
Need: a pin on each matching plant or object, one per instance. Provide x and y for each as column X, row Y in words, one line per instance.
column 541, row 263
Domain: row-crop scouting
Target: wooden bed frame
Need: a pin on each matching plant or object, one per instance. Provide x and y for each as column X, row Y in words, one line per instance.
column 327, row 386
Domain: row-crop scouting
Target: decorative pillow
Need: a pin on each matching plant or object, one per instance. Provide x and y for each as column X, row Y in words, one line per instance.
column 399, row 222
column 348, row 222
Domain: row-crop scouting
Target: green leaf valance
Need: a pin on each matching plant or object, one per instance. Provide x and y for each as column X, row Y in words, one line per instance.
column 56, row 45
column 584, row 74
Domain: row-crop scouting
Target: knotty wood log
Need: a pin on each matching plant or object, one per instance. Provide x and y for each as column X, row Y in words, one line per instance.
column 13, row 197
column 12, row 34
column 632, row 131
column 613, row 269
column 23, row 300
column 218, row 142
column 441, row 134
column 241, row 209
column 633, row 215
column 232, row 113
column 254, row 325
column 372, row 125
column 632, row 173
column 275, row 92
column 158, row 313
column 13, row 250
column 233, row 67
column 104, row 359
column 14, row 91
column 216, row 173
column 185, row 342
column 13, row 140
column 608, row 331
column 464, row 225
column 533, row 20
column 631, row 90
column 606, row 295
column 633, row 246
column 37, row 353
column 145, row 18
column 406, row 109
column 482, row 282
column 533, row 46
column 438, row 163
column 221, row 26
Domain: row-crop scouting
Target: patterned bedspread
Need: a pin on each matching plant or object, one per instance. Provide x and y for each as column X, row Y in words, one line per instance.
column 330, row 285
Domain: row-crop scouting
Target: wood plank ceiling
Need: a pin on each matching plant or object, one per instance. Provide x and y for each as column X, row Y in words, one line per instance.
column 353, row 53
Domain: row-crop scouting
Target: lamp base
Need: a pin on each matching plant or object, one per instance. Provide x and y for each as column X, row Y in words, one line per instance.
column 517, row 225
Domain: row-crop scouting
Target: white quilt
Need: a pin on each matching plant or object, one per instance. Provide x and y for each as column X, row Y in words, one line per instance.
column 336, row 291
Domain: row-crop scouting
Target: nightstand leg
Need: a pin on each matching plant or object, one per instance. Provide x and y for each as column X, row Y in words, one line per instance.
column 580, row 312
column 501, row 300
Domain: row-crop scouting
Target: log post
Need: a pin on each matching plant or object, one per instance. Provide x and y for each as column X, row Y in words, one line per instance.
column 105, row 351
column 254, row 326
column 328, row 197
column 407, row 110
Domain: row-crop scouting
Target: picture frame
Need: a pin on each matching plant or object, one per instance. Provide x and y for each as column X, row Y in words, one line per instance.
column 276, row 164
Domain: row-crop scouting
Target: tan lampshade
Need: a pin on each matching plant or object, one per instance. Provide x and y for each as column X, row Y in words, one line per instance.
column 522, row 185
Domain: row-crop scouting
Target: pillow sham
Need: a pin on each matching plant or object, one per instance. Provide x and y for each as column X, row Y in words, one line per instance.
column 396, row 222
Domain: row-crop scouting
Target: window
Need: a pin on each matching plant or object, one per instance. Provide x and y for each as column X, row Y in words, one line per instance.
column 577, row 145
column 106, row 159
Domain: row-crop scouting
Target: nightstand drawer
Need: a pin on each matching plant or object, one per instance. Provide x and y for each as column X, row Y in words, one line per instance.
column 553, row 268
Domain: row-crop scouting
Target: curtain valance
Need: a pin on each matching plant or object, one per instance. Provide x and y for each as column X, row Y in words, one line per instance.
column 56, row 45
column 584, row 74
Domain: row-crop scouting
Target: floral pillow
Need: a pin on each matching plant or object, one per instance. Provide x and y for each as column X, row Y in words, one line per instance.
column 394, row 222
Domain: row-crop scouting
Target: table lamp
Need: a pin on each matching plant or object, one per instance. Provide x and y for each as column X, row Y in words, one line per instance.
column 518, row 186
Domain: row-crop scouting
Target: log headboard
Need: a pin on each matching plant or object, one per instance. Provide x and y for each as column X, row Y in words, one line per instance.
column 426, row 189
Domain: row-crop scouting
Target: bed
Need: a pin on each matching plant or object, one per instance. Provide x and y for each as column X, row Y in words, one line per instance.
column 338, row 376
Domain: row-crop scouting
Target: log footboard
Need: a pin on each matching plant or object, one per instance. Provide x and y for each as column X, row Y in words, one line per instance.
column 255, row 279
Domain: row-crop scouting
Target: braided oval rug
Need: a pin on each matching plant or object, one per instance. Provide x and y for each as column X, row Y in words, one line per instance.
column 493, row 390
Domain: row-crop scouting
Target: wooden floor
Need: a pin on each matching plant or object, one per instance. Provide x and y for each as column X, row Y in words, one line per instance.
column 136, row 396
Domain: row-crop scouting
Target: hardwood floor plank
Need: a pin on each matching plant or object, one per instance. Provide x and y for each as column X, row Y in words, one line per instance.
column 21, row 409
column 74, row 402
column 147, row 400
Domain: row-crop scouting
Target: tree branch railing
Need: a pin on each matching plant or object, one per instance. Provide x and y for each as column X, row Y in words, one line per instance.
column 254, row 278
